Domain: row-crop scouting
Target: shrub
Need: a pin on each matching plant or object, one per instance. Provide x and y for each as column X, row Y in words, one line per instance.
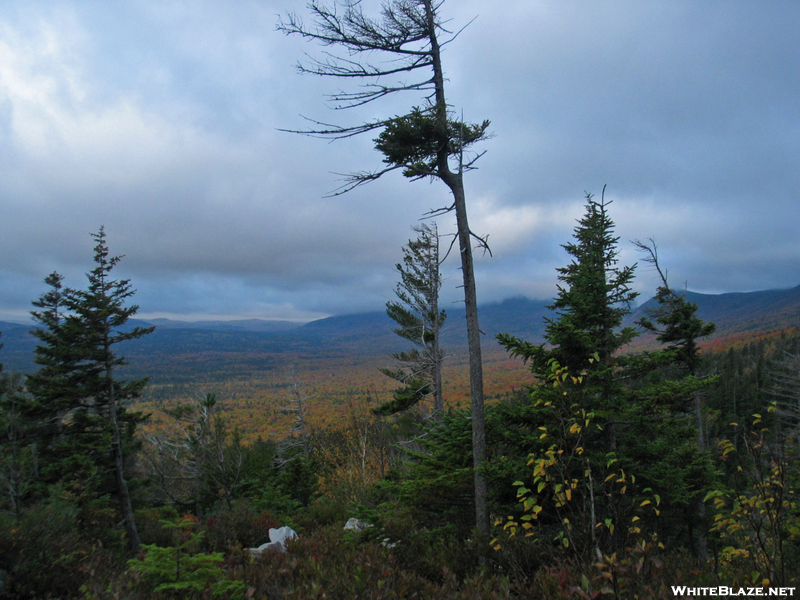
column 42, row 554
column 240, row 525
column 181, row 571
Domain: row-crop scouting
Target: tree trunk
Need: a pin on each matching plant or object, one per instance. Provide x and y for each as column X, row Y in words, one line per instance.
column 119, row 468
column 455, row 182
column 435, row 285
column 475, row 365
column 701, row 537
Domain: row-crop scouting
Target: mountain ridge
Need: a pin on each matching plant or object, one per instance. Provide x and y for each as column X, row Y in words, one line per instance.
column 371, row 333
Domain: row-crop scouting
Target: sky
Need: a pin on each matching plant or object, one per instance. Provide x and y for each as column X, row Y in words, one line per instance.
column 160, row 120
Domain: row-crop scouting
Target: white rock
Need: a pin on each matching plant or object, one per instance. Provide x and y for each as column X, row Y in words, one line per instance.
column 277, row 540
column 356, row 524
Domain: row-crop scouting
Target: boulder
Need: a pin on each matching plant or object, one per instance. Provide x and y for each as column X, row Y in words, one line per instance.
column 277, row 540
column 354, row 524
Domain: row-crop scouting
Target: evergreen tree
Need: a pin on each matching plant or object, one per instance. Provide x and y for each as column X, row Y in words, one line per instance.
column 578, row 373
column 594, row 295
column 54, row 386
column 419, row 319
column 77, row 386
column 675, row 322
column 593, row 298
column 640, row 403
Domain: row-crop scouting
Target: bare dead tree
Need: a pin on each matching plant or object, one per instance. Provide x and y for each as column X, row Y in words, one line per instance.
column 785, row 387
column 197, row 453
column 298, row 398
column 427, row 142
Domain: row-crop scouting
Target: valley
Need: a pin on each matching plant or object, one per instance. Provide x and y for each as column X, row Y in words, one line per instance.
column 249, row 365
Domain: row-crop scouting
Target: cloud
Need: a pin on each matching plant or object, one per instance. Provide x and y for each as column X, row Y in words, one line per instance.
column 160, row 120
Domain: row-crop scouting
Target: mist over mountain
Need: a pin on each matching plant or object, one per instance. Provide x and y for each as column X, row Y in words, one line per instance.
column 372, row 333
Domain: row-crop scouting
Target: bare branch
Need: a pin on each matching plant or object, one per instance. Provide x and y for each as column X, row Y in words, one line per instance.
column 652, row 251
column 449, row 248
column 483, row 242
column 354, row 180
column 335, row 132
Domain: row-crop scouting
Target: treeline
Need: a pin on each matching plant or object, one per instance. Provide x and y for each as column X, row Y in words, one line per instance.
column 613, row 475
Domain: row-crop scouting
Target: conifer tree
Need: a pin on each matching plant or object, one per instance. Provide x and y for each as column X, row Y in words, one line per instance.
column 419, row 319
column 594, row 295
column 53, row 386
column 77, row 376
column 675, row 322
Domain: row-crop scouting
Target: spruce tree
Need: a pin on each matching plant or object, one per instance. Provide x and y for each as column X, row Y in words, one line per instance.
column 419, row 319
column 594, row 295
column 53, row 386
column 77, row 385
column 675, row 322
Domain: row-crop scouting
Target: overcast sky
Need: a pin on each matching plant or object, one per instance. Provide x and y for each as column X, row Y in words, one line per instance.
column 159, row 119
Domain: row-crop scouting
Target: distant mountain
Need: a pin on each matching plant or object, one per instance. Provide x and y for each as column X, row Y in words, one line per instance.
column 237, row 325
column 741, row 312
column 8, row 326
column 259, row 342
column 374, row 331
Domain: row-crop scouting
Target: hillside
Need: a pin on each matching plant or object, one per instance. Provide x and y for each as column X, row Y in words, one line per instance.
column 249, row 364
column 371, row 334
column 742, row 313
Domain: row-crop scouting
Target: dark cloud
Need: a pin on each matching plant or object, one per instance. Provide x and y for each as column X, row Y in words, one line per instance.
column 160, row 121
